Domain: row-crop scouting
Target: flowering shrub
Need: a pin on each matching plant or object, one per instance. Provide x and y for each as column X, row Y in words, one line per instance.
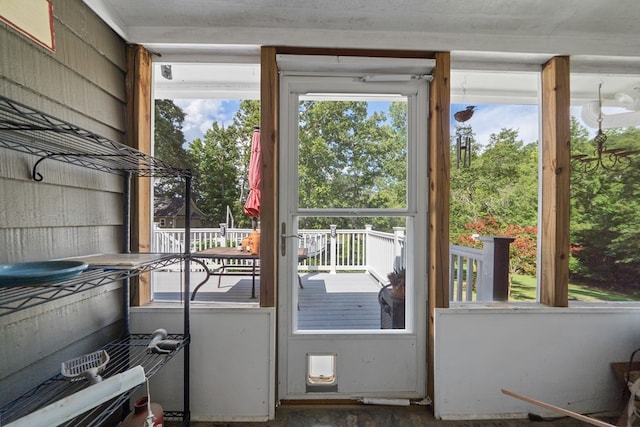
column 522, row 250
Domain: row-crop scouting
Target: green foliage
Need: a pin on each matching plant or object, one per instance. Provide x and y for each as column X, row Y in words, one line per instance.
column 605, row 215
column 349, row 159
column 497, row 195
column 222, row 163
column 168, row 146
column 502, row 183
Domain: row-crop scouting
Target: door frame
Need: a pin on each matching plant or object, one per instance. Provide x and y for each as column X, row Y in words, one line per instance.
column 439, row 165
column 290, row 85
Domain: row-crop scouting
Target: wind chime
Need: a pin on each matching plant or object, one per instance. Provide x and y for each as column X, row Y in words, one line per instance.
column 464, row 135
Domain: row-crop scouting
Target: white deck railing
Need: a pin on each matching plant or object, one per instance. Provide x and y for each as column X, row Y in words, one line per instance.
column 471, row 271
column 385, row 251
column 465, row 267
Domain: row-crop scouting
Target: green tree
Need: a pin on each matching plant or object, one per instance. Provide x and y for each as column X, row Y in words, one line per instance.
column 508, row 179
column 169, row 146
column 245, row 120
column 222, row 159
column 350, row 159
column 502, row 183
column 464, row 203
column 497, row 196
column 605, row 214
column 393, row 183
column 217, row 181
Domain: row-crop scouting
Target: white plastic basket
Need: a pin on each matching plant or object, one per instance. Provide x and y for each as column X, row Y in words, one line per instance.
column 87, row 366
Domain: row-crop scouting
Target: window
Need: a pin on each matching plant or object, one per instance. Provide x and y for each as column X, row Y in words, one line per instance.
column 494, row 184
column 204, row 117
column 605, row 218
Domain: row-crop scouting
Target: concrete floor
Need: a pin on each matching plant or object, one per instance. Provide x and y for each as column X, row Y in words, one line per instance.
column 388, row 416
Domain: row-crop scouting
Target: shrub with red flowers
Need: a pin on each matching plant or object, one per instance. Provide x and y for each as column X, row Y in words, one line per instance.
column 522, row 250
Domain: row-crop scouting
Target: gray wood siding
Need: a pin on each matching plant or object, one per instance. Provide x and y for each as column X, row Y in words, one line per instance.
column 74, row 211
column 79, row 82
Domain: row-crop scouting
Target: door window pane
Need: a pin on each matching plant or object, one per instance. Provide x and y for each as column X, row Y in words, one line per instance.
column 352, row 154
column 353, row 275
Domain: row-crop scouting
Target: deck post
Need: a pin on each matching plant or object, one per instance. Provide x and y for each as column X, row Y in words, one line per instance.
column 398, row 255
column 494, row 282
column 223, row 234
column 367, row 241
column 334, row 248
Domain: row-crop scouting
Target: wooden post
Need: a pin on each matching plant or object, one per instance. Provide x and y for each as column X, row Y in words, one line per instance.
column 556, row 169
column 438, row 289
column 269, row 85
column 138, row 92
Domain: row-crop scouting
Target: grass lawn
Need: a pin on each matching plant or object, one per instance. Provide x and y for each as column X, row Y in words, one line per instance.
column 523, row 288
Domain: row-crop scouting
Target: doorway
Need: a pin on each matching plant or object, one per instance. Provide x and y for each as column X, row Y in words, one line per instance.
column 344, row 173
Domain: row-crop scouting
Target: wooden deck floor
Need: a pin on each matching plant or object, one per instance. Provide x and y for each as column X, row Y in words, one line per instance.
column 327, row 301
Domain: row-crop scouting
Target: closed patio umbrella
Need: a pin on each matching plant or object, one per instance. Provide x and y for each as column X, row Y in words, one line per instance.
column 252, row 205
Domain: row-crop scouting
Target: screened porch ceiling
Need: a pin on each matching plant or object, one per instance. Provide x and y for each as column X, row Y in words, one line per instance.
column 497, row 46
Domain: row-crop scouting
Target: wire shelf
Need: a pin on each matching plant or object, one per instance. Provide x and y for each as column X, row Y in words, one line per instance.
column 124, row 354
column 13, row 299
column 30, row 131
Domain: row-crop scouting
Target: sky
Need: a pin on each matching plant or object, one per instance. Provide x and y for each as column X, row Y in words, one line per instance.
column 491, row 119
column 486, row 120
column 200, row 114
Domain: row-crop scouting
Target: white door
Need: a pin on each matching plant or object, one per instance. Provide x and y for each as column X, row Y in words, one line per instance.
column 330, row 354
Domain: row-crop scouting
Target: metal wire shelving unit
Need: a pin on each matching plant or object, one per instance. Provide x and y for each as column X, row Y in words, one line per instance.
column 27, row 130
